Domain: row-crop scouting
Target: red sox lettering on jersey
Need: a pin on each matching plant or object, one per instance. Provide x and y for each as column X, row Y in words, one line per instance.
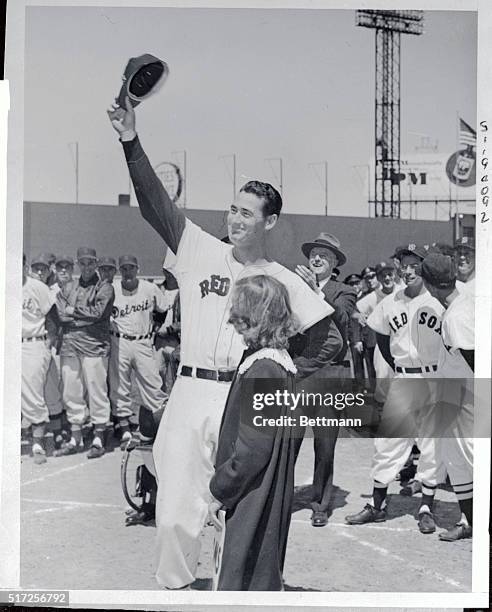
column 414, row 327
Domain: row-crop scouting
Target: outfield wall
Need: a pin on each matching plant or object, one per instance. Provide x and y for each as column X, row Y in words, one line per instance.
column 114, row 230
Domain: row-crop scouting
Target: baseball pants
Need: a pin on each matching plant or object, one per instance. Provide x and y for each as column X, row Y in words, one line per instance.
column 35, row 363
column 409, row 408
column 184, row 455
column 137, row 356
column 83, row 375
column 52, row 387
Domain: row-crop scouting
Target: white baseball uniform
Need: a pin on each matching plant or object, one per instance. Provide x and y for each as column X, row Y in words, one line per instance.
column 132, row 348
column 468, row 287
column 458, row 332
column 186, row 442
column 384, row 373
column 414, row 328
column 37, row 301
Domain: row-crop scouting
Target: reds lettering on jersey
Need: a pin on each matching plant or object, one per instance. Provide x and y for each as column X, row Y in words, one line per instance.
column 206, row 271
column 413, row 325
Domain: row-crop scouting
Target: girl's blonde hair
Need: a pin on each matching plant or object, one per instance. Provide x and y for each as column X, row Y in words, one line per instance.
column 261, row 312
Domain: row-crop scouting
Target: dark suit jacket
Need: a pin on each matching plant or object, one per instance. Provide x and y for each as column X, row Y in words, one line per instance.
column 342, row 298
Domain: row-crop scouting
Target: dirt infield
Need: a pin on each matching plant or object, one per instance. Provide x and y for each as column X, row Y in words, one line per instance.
column 73, row 534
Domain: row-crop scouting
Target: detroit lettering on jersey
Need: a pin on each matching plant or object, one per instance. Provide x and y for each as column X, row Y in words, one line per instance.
column 217, row 284
column 129, row 309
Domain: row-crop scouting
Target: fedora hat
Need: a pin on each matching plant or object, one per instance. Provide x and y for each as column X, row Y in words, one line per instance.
column 326, row 241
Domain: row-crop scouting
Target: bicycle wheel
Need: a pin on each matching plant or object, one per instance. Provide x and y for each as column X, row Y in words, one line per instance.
column 131, row 466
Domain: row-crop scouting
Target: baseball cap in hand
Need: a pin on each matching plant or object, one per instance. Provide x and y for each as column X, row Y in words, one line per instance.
column 439, row 270
column 411, row 249
column 140, row 79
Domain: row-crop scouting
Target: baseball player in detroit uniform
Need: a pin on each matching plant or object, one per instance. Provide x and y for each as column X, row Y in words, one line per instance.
column 37, row 301
column 206, row 269
column 456, row 362
column 131, row 343
column 408, row 327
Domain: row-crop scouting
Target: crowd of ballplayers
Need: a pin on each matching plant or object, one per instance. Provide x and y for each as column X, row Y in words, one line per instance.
column 92, row 341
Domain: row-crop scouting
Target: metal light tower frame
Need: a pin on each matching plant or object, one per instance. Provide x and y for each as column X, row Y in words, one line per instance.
column 389, row 26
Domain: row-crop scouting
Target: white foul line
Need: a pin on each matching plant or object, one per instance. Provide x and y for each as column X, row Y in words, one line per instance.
column 42, row 478
column 75, row 504
column 381, row 527
column 419, row 568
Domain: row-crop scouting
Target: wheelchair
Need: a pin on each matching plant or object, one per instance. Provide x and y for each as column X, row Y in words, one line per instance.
column 137, row 470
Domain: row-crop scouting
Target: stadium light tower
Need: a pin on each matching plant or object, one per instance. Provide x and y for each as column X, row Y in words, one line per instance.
column 389, row 26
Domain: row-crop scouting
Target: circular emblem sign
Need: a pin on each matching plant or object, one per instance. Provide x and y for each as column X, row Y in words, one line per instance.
column 460, row 168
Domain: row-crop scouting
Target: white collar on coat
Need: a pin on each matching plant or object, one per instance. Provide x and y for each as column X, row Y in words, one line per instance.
column 280, row 356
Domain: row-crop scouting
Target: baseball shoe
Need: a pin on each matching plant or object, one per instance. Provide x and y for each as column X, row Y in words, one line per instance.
column 125, row 439
column 138, row 518
column 458, row 532
column 95, row 452
column 68, row 449
column 426, row 523
column 369, row 514
column 39, row 456
column 411, row 488
column 319, row 518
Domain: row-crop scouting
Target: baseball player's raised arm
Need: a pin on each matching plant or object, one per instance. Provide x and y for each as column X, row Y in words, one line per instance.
column 102, row 304
column 155, row 204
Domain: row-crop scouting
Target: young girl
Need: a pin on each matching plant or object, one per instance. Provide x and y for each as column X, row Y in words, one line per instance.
column 254, row 475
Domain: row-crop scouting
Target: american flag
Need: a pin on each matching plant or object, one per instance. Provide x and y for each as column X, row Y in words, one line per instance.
column 468, row 136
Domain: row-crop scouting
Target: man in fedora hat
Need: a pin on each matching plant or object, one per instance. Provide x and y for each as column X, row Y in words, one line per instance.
column 324, row 255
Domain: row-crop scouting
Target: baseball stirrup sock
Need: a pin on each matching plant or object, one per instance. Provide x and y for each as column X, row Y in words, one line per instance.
column 379, row 494
column 466, row 507
column 428, row 492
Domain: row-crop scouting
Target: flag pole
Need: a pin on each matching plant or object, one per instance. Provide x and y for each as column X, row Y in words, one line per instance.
column 457, row 149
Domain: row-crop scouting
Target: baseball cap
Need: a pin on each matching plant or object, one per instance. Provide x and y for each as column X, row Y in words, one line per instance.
column 127, row 260
column 384, row 265
column 411, row 249
column 352, row 279
column 86, row 253
column 106, row 261
column 64, row 259
column 441, row 247
column 465, row 242
column 439, row 270
column 367, row 270
column 42, row 258
column 141, row 77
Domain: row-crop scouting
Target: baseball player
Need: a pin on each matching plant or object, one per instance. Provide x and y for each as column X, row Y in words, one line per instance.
column 211, row 350
column 131, row 343
column 41, row 268
column 84, row 308
column 363, row 337
column 385, row 274
column 106, row 268
column 408, row 324
column 464, row 257
column 37, row 301
column 456, row 361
